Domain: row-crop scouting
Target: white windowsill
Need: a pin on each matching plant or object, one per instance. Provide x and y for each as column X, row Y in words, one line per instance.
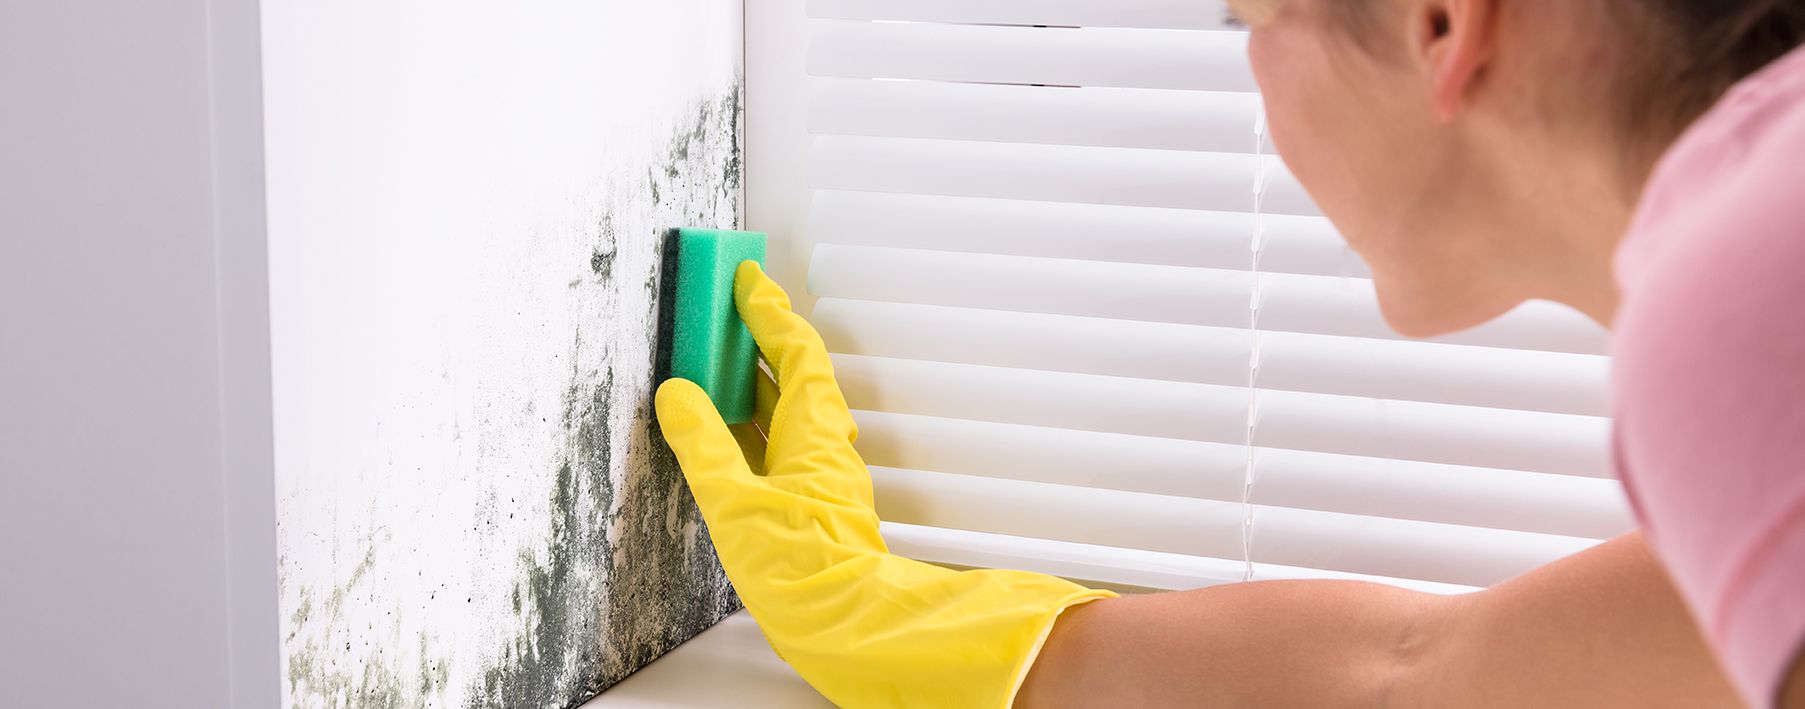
column 729, row 664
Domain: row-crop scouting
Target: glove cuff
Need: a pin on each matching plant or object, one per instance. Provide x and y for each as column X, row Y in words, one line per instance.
column 1079, row 597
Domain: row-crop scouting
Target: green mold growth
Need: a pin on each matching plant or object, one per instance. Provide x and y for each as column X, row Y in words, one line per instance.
column 323, row 673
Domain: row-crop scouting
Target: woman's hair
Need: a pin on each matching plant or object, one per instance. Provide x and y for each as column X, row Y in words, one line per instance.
column 1699, row 48
column 1680, row 56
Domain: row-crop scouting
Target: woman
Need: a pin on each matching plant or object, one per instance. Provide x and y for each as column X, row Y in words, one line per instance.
column 1640, row 160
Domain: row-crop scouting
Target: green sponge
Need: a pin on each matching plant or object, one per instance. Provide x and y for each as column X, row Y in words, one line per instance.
column 709, row 344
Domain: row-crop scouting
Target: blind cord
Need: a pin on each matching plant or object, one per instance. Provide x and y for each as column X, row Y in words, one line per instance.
column 1256, row 242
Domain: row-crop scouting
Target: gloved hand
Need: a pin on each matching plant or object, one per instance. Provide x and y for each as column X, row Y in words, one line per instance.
column 792, row 519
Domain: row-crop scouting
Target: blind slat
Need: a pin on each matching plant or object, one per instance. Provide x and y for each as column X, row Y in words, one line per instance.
column 1124, row 58
column 1112, row 461
column 1152, row 14
column 1054, row 173
column 1139, row 407
column 1176, row 525
column 1439, row 433
column 1389, row 369
column 1120, row 348
column 1407, row 430
column 1192, row 296
column 1059, row 286
column 1125, row 569
column 1350, row 307
column 1098, row 117
column 1263, row 571
column 1380, row 546
column 1093, row 232
column 1566, row 505
column 1430, row 492
column 1434, row 372
column 1134, row 568
column 1528, row 380
column 1208, row 528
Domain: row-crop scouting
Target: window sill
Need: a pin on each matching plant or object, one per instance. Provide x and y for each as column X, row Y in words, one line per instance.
column 729, row 664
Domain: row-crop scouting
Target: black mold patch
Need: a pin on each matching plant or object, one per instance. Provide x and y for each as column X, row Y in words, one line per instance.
column 558, row 653
column 623, row 570
column 592, row 610
column 601, row 261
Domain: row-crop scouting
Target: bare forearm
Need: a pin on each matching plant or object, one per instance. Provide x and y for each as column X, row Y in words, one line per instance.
column 1601, row 628
column 1263, row 644
column 1604, row 627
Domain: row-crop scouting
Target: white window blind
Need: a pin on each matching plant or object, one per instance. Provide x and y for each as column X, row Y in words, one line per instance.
column 1091, row 327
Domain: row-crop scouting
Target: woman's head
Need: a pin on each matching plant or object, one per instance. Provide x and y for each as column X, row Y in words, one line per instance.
column 1479, row 153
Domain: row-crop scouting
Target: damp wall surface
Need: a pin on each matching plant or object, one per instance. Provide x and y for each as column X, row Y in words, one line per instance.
column 474, row 508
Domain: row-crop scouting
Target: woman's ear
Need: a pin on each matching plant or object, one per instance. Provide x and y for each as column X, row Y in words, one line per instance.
column 1453, row 39
column 1255, row 13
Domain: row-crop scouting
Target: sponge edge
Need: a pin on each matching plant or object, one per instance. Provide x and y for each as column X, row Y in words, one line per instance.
column 709, row 344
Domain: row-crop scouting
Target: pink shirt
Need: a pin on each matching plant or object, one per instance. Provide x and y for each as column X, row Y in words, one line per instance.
column 1709, row 379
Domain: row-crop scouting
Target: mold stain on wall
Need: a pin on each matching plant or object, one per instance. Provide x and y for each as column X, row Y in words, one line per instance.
column 610, row 564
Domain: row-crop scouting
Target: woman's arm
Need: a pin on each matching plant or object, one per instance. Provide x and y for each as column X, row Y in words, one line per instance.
column 1600, row 628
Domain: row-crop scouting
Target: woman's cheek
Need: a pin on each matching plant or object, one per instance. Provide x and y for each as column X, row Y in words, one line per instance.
column 1287, row 117
column 1307, row 117
column 1301, row 144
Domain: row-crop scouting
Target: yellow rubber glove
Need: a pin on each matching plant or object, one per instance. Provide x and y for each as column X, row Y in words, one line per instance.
column 797, row 533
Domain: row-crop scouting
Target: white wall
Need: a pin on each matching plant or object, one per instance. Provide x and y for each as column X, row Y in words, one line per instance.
column 442, row 179
column 136, row 530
